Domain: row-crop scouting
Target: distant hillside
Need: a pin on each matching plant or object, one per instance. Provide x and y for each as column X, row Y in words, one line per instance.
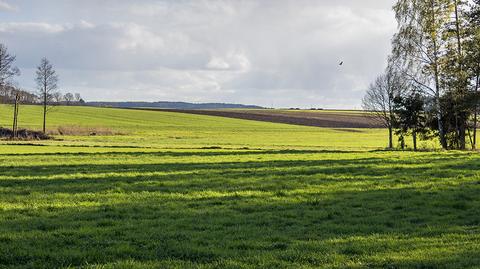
column 171, row 105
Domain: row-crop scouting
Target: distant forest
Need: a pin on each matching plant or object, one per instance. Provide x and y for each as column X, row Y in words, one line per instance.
column 171, row 105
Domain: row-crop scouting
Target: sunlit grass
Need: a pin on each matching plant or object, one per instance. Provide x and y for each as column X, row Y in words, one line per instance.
column 177, row 130
column 189, row 191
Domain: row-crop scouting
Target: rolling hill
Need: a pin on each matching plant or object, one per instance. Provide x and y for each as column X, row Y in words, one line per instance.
column 172, row 105
column 176, row 190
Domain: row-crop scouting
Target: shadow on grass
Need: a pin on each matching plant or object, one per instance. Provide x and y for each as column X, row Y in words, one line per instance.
column 199, row 152
column 229, row 176
column 258, row 214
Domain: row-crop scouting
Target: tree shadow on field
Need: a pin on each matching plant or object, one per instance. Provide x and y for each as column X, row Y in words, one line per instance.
column 261, row 214
column 223, row 176
column 163, row 153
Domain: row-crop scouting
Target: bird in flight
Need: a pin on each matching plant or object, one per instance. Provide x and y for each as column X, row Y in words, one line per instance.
column 341, row 63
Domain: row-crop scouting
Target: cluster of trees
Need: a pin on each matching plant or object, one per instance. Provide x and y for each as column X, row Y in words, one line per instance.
column 47, row 87
column 431, row 85
column 67, row 99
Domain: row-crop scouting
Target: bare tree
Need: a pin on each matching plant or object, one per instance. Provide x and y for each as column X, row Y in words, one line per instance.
column 16, row 104
column 78, row 97
column 379, row 100
column 46, row 80
column 7, row 72
column 16, row 97
column 7, row 69
column 68, row 97
column 57, row 97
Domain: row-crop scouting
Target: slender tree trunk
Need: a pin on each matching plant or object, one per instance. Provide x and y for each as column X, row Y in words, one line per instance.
column 462, row 133
column 402, row 141
column 17, row 107
column 475, row 115
column 1, row 89
column 457, row 128
column 44, row 106
column 474, row 143
column 414, row 135
column 44, row 116
column 461, row 120
column 390, row 126
column 390, row 137
column 457, row 32
column 14, row 118
column 469, row 133
column 438, row 107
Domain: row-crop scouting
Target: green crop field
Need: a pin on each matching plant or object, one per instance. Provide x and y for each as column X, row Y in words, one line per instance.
column 171, row 190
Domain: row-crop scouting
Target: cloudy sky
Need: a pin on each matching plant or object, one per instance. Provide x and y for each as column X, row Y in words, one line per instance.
column 279, row 53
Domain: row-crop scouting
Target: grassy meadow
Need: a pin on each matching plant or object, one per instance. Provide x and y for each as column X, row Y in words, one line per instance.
column 151, row 129
column 170, row 190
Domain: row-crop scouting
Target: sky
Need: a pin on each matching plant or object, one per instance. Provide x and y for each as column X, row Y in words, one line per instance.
column 273, row 53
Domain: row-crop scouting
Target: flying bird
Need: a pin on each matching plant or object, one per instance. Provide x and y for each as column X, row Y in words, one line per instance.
column 341, row 63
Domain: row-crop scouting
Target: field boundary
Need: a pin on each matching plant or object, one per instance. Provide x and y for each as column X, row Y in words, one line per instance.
column 315, row 119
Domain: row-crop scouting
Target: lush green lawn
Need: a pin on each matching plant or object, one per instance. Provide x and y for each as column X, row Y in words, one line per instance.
column 205, row 192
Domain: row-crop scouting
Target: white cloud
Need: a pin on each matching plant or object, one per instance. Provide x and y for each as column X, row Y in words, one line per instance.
column 31, row 27
column 137, row 37
column 286, row 52
column 218, row 63
column 86, row 24
column 4, row 6
column 233, row 61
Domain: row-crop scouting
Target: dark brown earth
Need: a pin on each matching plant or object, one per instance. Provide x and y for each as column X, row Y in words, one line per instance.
column 328, row 119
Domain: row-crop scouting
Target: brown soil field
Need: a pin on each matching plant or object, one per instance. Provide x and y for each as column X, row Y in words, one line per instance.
column 316, row 118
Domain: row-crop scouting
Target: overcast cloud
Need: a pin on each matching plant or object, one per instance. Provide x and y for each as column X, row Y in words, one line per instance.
column 266, row 52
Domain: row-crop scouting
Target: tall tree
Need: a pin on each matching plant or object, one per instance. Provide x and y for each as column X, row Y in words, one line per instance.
column 418, row 45
column 68, row 97
column 410, row 115
column 455, row 76
column 46, row 80
column 379, row 99
column 7, row 69
column 472, row 58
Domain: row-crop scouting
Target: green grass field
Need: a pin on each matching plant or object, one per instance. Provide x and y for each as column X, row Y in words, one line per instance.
column 189, row 191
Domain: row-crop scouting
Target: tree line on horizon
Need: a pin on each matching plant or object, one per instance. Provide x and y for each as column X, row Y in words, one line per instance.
column 47, row 94
column 430, row 88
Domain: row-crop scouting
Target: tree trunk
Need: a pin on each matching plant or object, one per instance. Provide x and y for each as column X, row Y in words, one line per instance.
column 461, row 119
column 15, row 115
column 17, row 107
column 1, row 89
column 14, row 118
column 475, row 116
column 457, row 32
column 44, row 108
column 390, row 137
column 391, row 117
column 462, row 134
column 438, row 107
column 414, row 135
column 457, row 128
column 44, row 116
